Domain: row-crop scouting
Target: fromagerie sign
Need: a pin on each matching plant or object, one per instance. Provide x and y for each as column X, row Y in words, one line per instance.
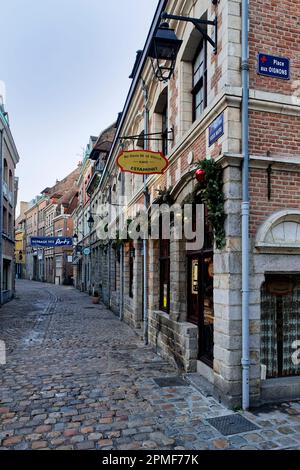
column 142, row 162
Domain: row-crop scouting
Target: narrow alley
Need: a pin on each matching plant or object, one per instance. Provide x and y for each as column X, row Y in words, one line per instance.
column 78, row 378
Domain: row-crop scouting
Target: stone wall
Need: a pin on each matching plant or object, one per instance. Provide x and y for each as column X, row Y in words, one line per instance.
column 177, row 342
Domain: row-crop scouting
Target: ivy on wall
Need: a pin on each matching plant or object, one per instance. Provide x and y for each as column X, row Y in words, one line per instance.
column 210, row 192
column 164, row 197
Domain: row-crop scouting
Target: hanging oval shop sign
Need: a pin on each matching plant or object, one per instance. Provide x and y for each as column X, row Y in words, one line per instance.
column 142, row 162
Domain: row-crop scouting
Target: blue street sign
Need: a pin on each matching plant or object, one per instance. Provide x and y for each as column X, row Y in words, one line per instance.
column 273, row 66
column 216, row 129
column 50, row 242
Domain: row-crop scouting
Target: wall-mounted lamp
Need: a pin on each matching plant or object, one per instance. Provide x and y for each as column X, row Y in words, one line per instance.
column 165, row 44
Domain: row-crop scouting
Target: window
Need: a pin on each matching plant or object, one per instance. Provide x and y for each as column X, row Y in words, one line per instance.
column 161, row 120
column 6, row 275
column 280, row 324
column 164, row 268
column 10, row 181
column 141, row 140
column 5, row 227
column 208, row 230
column 165, row 130
column 199, row 91
column 131, row 261
column 10, row 225
column 5, row 171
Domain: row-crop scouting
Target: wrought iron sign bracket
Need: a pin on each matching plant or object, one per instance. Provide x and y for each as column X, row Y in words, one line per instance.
column 150, row 136
column 198, row 25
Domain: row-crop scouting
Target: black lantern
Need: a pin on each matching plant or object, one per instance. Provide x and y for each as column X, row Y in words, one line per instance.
column 90, row 222
column 75, row 238
column 163, row 52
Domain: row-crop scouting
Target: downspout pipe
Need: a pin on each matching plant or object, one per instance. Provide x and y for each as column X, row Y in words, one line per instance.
column 245, row 209
column 109, row 257
column 145, row 242
column 121, row 313
column 1, row 215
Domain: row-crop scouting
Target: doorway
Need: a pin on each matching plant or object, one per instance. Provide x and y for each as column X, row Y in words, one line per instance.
column 200, row 302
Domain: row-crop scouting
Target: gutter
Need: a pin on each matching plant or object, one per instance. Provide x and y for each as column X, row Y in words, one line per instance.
column 245, row 210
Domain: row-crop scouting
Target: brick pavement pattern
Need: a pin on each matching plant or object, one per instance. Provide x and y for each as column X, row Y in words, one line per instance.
column 78, row 378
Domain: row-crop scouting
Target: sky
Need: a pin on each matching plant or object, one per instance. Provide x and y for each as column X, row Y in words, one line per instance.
column 65, row 64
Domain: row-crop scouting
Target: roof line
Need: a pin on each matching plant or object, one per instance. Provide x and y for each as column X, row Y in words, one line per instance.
column 155, row 23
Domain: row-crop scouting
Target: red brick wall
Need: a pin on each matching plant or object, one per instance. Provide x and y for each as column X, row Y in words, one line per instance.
column 274, row 29
column 279, row 134
column 285, row 194
column 65, row 225
column 198, row 148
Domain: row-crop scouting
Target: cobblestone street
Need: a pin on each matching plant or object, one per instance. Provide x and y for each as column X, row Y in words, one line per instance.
column 78, row 378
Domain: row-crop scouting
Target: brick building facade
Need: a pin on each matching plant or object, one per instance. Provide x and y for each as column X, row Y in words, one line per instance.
column 9, row 158
column 195, row 310
column 49, row 215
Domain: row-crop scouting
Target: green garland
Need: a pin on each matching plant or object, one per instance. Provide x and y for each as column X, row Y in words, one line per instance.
column 211, row 194
column 164, row 197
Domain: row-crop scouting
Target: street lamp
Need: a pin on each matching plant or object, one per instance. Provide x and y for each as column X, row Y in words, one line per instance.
column 90, row 222
column 163, row 52
column 165, row 45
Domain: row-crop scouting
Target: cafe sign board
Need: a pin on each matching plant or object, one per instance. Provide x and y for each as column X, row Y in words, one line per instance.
column 142, row 162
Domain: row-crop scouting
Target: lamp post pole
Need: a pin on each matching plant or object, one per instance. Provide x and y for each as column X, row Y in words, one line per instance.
column 90, row 276
column 90, row 225
column 145, row 244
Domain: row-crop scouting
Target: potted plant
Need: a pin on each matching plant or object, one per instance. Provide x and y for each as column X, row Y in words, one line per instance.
column 95, row 297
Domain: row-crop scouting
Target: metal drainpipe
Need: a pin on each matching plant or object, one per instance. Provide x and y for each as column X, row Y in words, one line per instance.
column 145, row 244
column 109, row 256
column 245, row 209
column 122, row 259
column 1, row 215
